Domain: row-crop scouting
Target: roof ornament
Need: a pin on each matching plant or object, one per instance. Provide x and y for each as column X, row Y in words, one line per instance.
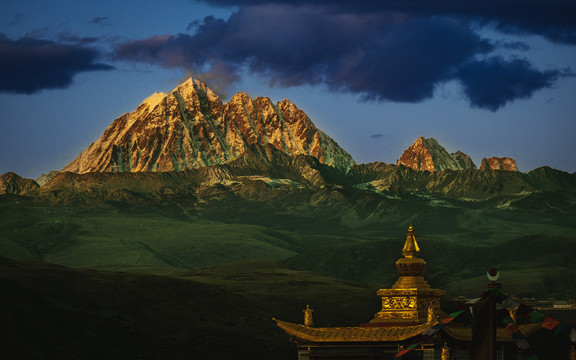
column 308, row 320
column 493, row 274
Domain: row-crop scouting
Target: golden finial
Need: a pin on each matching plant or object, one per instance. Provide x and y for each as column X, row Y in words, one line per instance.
column 445, row 352
column 410, row 249
column 308, row 321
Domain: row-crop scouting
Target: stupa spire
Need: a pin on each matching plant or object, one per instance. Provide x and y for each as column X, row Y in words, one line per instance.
column 410, row 249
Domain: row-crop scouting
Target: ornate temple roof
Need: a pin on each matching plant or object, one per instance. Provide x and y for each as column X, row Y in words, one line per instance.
column 351, row 334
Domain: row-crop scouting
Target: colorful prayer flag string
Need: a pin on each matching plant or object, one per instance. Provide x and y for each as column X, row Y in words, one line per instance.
column 514, row 309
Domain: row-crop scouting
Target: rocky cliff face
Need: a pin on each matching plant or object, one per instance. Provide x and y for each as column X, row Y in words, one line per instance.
column 497, row 163
column 427, row 154
column 191, row 128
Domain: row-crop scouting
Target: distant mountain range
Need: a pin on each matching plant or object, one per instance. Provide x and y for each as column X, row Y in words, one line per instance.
column 191, row 128
column 188, row 143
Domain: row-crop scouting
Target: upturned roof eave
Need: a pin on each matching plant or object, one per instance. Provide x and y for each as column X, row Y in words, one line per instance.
column 357, row 334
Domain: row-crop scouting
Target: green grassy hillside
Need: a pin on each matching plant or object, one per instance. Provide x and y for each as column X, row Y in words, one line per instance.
column 337, row 232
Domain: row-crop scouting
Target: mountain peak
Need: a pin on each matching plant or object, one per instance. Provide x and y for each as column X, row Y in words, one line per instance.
column 428, row 154
column 194, row 86
column 192, row 128
column 240, row 97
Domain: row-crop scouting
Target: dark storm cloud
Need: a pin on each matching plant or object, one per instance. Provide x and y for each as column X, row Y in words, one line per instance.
column 29, row 65
column 408, row 61
column 379, row 56
column 492, row 83
column 554, row 19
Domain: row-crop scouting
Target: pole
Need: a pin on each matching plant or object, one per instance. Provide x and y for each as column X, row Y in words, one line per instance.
column 483, row 345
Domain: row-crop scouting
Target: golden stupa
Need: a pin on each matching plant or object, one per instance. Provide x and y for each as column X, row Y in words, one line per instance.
column 410, row 300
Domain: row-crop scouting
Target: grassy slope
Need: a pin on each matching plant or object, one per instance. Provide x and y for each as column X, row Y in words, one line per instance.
column 460, row 240
column 51, row 312
column 77, row 236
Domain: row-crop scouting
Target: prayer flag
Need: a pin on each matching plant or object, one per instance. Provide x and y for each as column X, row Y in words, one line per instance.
column 549, row 323
column 402, row 352
column 455, row 314
column 447, row 320
column 406, row 350
column 536, row 316
column 511, row 329
column 472, row 301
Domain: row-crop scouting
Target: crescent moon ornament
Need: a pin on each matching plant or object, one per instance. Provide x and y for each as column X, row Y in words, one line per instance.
column 493, row 274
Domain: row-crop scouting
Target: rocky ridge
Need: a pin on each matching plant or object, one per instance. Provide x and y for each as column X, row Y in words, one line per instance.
column 12, row 183
column 191, row 128
column 498, row 163
column 429, row 155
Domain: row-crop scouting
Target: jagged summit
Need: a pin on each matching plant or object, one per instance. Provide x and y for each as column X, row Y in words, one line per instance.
column 428, row 154
column 191, row 128
column 498, row 163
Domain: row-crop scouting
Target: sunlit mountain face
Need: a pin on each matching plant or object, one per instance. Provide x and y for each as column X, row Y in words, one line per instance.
column 191, row 128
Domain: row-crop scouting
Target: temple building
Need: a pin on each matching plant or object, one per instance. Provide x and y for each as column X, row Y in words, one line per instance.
column 409, row 308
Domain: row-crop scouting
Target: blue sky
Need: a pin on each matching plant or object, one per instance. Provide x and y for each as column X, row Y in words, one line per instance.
column 489, row 79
